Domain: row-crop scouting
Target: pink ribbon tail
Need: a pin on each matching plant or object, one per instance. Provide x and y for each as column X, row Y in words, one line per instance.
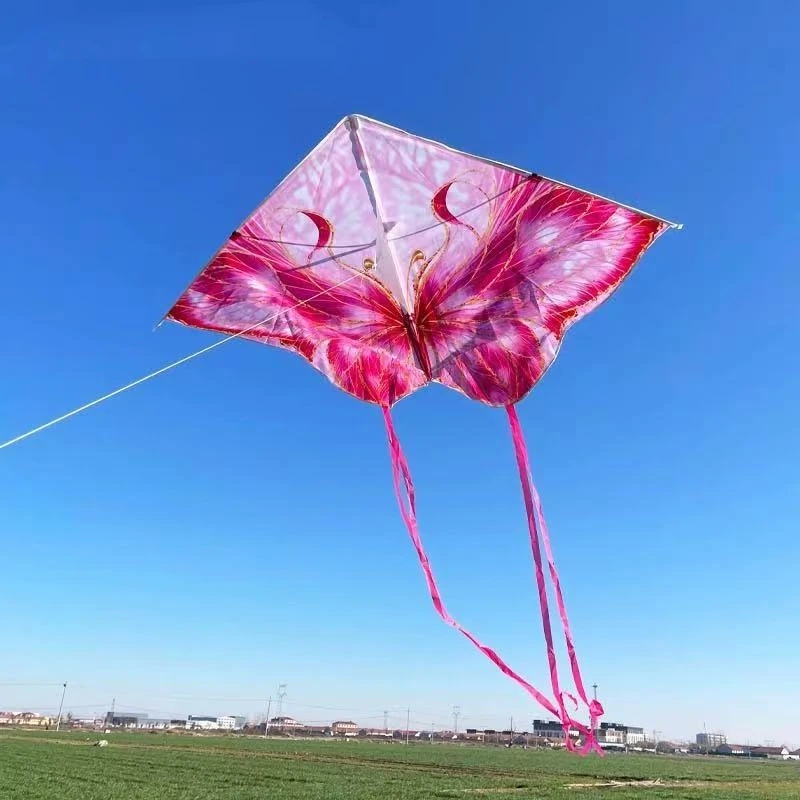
column 406, row 499
column 537, row 528
column 404, row 490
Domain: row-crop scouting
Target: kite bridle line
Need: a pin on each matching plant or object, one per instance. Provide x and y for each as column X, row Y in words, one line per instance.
column 171, row 366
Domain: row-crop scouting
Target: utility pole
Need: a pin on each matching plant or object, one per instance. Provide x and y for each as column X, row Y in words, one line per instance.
column 594, row 686
column 386, row 722
column 408, row 722
column 61, row 706
column 655, row 741
column 433, row 724
column 266, row 723
column 511, row 732
column 456, row 714
column 109, row 718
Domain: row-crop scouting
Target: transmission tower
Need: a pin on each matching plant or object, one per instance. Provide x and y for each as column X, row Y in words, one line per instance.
column 281, row 697
column 386, row 722
column 456, row 714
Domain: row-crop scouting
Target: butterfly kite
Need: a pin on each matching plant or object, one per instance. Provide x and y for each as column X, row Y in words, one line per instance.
column 388, row 262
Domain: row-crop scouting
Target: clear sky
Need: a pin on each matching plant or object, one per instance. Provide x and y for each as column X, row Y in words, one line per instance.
column 231, row 525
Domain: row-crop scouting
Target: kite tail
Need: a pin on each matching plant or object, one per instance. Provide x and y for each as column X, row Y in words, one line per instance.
column 404, row 490
column 538, row 530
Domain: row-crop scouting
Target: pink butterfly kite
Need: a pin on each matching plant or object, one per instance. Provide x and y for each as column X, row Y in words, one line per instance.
column 389, row 261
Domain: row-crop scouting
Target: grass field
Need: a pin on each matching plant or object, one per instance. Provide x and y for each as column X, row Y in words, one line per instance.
column 143, row 766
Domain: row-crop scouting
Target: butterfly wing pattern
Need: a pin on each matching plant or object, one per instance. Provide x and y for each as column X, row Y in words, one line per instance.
column 498, row 263
column 306, row 272
column 389, row 261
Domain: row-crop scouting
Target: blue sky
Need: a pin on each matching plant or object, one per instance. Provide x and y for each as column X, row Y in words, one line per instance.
column 229, row 526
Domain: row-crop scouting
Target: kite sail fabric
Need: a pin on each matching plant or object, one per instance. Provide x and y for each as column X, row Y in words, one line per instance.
column 389, row 262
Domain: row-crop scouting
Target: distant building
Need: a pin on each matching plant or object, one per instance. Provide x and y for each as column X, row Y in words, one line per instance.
column 711, row 740
column 231, row 723
column 546, row 729
column 756, row 751
column 549, row 729
column 29, row 718
column 152, row 724
column 615, row 733
column 344, row 728
column 611, row 733
column 124, row 720
column 201, row 723
column 740, row 750
column 380, row 732
column 778, row 753
column 284, row 722
column 634, row 735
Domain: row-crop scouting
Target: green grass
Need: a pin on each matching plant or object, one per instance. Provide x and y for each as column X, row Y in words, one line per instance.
column 36, row 765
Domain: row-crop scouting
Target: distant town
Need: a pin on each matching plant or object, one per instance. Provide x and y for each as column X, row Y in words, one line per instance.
column 542, row 734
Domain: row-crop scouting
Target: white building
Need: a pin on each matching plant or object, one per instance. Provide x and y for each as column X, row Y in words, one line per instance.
column 201, row 723
column 615, row 733
column 230, row 723
column 634, row 735
column 611, row 733
column 284, row 722
column 150, row 724
column 87, row 722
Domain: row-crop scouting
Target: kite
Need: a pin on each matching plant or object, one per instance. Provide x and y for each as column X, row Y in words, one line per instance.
column 389, row 262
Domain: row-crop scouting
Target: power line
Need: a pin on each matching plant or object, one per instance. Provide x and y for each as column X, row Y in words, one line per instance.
column 30, row 684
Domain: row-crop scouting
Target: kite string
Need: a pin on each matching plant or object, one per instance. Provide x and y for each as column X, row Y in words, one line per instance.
column 168, row 367
column 538, row 529
column 402, row 481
